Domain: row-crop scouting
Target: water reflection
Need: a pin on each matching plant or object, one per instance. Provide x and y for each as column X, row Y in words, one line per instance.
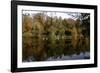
column 49, row 49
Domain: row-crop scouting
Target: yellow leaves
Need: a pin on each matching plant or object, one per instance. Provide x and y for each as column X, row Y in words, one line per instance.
column 74, row 37
column 27, row 23
column 27, row 34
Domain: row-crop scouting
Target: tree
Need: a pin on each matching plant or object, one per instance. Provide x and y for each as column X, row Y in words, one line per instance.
column 85, row 18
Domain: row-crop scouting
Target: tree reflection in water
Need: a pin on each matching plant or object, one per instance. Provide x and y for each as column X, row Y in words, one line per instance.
column 40, row 49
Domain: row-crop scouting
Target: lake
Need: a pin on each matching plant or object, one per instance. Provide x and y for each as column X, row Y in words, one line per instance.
column 49, row 49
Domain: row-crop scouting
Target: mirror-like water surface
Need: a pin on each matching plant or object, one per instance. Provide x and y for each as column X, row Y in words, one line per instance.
column 41, row 49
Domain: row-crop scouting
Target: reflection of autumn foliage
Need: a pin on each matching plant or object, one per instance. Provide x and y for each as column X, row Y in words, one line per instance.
column 41, row 29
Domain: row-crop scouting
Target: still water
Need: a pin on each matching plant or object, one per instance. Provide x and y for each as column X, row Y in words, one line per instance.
column 39, row 49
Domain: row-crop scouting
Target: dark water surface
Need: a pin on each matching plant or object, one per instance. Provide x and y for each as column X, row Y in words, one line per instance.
column 50, row 49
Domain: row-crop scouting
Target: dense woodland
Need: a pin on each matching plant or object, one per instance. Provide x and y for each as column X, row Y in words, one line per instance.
column 44, row 36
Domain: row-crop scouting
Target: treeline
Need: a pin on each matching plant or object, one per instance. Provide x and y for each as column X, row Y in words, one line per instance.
column 41, row 23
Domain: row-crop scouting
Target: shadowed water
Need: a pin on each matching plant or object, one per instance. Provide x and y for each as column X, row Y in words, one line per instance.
column 48, row 49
